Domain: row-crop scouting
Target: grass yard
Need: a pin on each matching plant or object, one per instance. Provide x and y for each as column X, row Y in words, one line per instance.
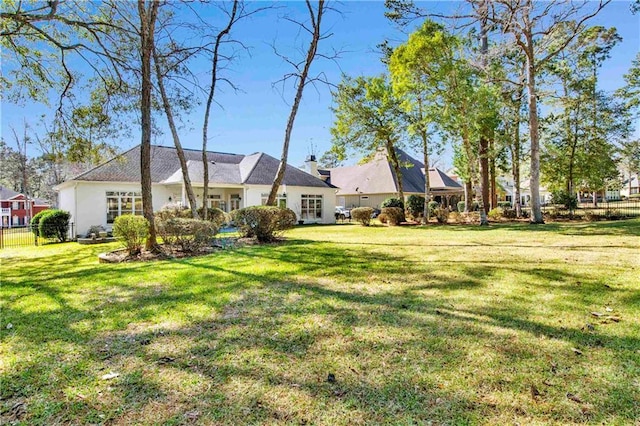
column 339, row 325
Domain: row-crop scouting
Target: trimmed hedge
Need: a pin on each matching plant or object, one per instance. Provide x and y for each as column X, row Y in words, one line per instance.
column 215, row 215
column 362, row 215
column 55, row 224
column 415, row 205
column 392, row 215
column 35, row 221
column 393, row 202
column 132, row 231
column 265, row 223
column 187, row 235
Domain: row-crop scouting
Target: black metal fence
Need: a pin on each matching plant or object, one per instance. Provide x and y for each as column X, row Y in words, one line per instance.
column 603, row 210
column 23, row 236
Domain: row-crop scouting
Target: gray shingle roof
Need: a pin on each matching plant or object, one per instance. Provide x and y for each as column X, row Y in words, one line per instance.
column 377, row 177
column 7, row 194
column 257, row 169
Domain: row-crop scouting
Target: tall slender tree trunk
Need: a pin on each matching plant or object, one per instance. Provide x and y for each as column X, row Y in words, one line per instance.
column 302, row 82
column 515, row 162
column 207, row 112
column 427, row 184
column 484, row 142
column 176, row 138
column 148, row 13
column 534, row 183
column 492, row 174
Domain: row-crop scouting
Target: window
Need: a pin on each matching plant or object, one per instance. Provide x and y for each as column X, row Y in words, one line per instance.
column 119, row 203
column 216, row 202
column 281, row 200
column 16, row 205
column 311, row 207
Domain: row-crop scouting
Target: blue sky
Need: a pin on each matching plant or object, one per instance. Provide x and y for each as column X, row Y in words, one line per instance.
column 255, row 118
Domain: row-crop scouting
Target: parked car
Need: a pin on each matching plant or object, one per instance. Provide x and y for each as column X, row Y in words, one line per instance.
column 342, row 213
column 376, row 213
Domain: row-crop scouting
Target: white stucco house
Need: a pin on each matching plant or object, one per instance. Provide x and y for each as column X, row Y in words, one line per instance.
column 101, row 194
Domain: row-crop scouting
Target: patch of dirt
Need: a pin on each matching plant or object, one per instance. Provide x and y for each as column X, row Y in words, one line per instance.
column 166, row 252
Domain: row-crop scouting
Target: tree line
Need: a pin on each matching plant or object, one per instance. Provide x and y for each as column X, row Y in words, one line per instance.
column 499, row 83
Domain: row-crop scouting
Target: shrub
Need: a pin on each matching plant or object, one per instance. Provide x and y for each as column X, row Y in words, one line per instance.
column 215, row 215
column 35, row 221
column 393, row 215
column 415, row 205
column 474, row 206
column 461, row 206
column 509, row 213
column 172, row 211
column 131, row 231
column 383, row 218
column 95, row 229
column 362, row 215
column 441, row 214
column 569, row 201
column 393, row 202
column 495, row 214
column 456, row 216
column 188, row 235
column 55, row 224
column 265, row 223
column 433, row 205
column 504, row 204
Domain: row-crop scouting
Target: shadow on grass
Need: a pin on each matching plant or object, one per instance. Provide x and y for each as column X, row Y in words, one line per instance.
column 277, row 320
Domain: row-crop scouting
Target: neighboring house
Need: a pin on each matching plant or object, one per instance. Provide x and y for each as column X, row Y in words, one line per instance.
column 369, row 184
column 111, row 189
column 630, row 187
column 16, row 209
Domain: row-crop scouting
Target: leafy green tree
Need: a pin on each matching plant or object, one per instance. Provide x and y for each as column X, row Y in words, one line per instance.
column 368, row 116
column 418, row 71
column 630, row 92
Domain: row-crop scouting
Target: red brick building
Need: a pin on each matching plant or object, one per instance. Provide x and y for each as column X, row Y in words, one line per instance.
column 15, row 210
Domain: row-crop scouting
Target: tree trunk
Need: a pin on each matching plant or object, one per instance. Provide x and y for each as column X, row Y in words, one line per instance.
column 302, row 81
column 427, row 189
column 492, row 174
column 176, row 138
column 484, row 177
column 468, row 190
column 534, row 185
column 212, row 89
column 393, row 156
column 147, row 28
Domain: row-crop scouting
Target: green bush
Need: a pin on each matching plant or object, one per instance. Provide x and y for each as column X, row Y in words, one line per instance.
column 474, row 206
column 131, row 231
column 265, row 223
column 187, row 235
column 173, row 211
column 393, row 215
column 415, row 205
column 433, row 205
column 393, row 202
column 504, row 204
column 215, row 215
column 441, row 214
column 569, row 201
column 362, row 215
column 55, row 224
column 495, row 214
column 509, row 213
column 35, row 221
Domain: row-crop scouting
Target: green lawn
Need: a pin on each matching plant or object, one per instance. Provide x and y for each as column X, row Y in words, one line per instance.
column 449, row 325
